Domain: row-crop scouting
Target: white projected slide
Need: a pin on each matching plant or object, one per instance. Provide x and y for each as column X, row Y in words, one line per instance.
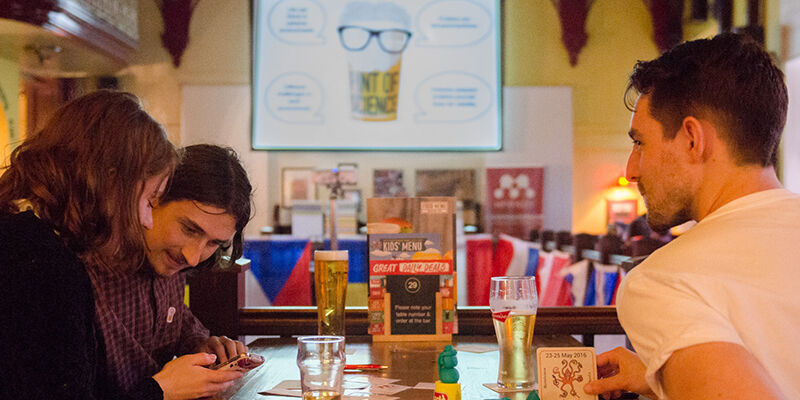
column 376, row 75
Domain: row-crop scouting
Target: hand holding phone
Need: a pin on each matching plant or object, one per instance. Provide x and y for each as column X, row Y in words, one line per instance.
column 243, row 362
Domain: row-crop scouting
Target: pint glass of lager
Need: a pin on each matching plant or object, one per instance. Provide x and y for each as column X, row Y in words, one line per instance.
column 321, row 362
column 513, row 302
column 330, row 282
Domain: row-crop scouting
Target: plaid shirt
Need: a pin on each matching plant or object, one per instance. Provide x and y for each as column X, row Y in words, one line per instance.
column 143, row 323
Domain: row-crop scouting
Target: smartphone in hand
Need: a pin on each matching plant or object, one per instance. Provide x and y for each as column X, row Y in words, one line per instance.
column 243, row 362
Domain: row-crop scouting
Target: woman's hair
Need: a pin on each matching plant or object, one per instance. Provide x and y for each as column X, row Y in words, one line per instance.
column 214, row 176
column 84, row 173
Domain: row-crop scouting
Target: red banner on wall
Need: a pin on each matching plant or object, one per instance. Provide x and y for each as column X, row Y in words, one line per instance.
column 514, row 200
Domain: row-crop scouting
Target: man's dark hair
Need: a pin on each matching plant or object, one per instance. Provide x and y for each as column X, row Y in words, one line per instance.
column 730, row 79
column 214, row 176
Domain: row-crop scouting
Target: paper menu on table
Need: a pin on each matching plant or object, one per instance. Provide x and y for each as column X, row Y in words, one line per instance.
column 363, row 388
column 411, row 248
column 425, row 386
column 477, row 347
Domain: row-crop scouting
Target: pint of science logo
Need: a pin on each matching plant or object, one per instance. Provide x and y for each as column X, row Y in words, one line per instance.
column 515, row 191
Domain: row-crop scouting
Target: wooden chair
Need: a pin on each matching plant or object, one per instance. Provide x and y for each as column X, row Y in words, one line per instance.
column 563, row 238
column 548, row 240
column 216, row 295
column 644, row 246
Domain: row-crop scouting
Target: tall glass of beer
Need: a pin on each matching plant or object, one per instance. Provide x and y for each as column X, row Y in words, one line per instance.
column 513, row 302
column 330, row 282
column 321, row 361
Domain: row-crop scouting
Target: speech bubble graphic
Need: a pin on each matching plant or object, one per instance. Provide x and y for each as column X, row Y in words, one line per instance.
column 298, row 22
column 453, row 23
column 452, row 97
column 296, row 98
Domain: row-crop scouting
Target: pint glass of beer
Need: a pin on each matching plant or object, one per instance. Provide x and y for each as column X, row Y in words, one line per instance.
column 513, row 302
column 321, row 361
column 330, row 282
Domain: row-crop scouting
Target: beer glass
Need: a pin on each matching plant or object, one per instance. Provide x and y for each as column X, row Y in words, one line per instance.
column 513, row 302
column 330, row 282
column 321, row 361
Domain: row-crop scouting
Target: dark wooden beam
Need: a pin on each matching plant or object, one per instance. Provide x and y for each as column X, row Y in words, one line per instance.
column 472, row 320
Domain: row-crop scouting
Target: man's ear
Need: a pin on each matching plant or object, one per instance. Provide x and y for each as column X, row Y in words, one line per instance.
column 695, row 134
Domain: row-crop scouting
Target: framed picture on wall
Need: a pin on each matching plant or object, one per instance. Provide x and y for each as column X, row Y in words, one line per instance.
column 388, row 183
column 354, row 195
column 446, row 182
column 297, row 184
column 624, row 211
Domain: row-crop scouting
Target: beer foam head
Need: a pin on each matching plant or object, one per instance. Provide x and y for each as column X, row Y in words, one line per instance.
column 330, row 255
column 374, row 16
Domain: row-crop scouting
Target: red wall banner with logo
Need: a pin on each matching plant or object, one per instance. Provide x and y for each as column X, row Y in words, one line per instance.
column 514, row 200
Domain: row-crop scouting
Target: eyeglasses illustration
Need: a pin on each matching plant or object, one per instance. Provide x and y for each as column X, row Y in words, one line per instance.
column 356, row 38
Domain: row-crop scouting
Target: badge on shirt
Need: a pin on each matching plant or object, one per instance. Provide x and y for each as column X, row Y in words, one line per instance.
column 563, row 371
column 170, row 314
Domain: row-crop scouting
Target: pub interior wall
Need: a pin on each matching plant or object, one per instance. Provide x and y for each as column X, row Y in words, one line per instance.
column 218, row 54
column 9, row 83
column 619, row 33
column 790, row 20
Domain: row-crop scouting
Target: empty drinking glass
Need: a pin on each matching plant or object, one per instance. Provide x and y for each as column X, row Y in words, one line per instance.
column 321, row 360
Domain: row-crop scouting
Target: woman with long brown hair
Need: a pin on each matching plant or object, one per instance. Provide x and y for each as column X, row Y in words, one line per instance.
column 77, row 192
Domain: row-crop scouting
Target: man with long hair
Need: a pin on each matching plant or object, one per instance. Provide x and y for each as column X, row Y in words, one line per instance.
column 142, row 317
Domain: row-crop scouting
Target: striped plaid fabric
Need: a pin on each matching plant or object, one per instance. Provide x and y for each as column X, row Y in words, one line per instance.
column 143, row 323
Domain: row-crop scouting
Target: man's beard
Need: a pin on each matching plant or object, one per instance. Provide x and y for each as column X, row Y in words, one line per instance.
column 661, row 222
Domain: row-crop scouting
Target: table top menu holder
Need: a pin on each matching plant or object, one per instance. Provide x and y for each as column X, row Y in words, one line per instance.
column 412, row 279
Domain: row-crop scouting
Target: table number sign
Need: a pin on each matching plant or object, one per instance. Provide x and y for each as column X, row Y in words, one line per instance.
column 412, row 281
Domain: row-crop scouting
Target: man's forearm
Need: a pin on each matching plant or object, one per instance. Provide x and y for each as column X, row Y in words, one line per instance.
column 716, row 370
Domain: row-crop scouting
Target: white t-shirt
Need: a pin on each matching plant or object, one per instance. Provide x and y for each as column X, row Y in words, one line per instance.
column 734, row 277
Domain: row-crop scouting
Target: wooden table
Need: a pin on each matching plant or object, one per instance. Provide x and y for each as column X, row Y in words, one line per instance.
column 410, row 362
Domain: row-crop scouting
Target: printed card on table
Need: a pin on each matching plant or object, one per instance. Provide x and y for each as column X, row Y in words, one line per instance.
column 563, row 371
column 412, row 274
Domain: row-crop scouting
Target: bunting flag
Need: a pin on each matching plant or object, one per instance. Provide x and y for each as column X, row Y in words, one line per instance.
column 667, row 16
column 576, row 277
column 603, row 284
column 511, row 257
column 556, row 291
column 572, row 14
column 616, row 287
column 176, row 15
column 479, row 269
column 282, row 269
column 515, row 257
column 542, row 271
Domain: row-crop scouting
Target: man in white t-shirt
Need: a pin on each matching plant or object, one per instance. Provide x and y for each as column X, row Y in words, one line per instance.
column 714, row 313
